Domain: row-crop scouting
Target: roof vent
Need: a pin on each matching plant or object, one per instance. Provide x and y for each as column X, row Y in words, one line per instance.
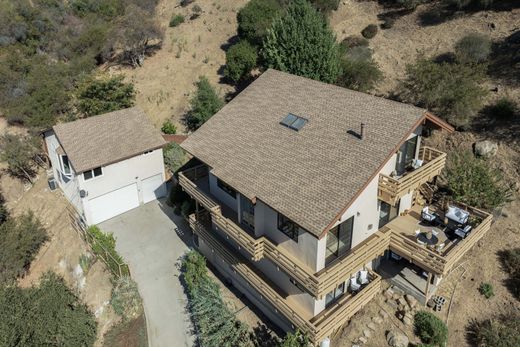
column 361, row 134
column 293, row 122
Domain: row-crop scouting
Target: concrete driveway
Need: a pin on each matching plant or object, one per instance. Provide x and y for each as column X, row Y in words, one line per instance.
column 152, row 239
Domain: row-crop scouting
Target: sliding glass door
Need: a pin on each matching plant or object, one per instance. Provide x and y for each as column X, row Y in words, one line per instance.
column 339, row 240
column 387, row 212
column 406, row 155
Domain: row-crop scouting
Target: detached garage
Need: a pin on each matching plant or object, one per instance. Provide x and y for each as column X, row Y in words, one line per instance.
column 108, row 164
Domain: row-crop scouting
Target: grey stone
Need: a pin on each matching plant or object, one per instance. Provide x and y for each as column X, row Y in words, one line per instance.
column 389, row 293
column 392, row 303
column 367, row 333
column 408, row 319
column 397, row 340
column 411, row 300
column 378, row 320
column 486, row 148
column 363, row 340
column 383, row 314
column 371, row 326
column 402, row 301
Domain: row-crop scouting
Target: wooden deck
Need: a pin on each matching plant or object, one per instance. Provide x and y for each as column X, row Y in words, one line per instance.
column 391, row 189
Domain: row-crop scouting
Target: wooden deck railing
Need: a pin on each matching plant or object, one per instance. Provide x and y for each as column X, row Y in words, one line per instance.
column 392, row 189
column 322, row 282
column 318, row 327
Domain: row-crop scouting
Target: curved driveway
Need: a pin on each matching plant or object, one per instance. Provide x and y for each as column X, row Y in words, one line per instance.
column 152, row 239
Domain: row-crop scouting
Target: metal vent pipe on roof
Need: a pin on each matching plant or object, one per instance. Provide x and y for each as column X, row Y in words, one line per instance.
column 362, row 132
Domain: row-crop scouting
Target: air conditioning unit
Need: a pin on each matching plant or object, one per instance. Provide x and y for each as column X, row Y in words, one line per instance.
column 52, row 183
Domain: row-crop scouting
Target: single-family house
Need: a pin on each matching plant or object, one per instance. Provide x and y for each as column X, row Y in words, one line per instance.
column 305, row 191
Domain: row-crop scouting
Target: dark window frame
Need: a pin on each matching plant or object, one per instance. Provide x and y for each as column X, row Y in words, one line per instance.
column 294, row 122
column 93, row 174
column 288, row 227
column 226, row 188
column 334, row 295
column 340, row 251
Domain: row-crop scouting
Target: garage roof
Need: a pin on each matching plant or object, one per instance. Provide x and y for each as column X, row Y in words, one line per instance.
column 107, row 138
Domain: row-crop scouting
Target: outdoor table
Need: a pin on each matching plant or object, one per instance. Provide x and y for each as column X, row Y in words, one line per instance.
column 429, row 240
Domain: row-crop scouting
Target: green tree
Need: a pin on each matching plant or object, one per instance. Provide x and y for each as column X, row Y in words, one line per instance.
column 174, row 156
column 474, row 182
column 326, row 6
column 20, row 239
column 499, row 331
column 18, row 152
column 360, row 71
column 168, row 127
column 204, row 104
column 302, row 43
column 98, row 96
column 240, row 60
column 256, row 17
column 430, row 329
column 453, row 91
column 49, row 314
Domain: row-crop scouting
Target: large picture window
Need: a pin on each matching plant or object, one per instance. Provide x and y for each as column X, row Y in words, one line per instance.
column 65, row 165
column 334, row 295
column 288, row 227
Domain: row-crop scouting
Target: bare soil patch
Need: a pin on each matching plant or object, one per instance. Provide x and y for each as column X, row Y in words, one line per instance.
column 128, row 334
column 195, row 48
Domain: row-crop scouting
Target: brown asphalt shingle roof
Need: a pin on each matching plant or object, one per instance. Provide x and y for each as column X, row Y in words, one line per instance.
column 107, row 138
column 309, row 175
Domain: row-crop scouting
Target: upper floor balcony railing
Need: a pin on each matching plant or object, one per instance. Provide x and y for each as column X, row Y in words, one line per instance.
column 391, row 189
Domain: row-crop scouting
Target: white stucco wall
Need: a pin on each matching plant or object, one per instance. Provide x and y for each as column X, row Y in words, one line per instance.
column 122, row 174
column 71, row 187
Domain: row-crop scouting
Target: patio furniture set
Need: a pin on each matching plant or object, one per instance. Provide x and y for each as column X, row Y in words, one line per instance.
column 456, row 226
column 359, row 280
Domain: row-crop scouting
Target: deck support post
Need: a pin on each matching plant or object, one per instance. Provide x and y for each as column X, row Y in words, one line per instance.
column 426, row 294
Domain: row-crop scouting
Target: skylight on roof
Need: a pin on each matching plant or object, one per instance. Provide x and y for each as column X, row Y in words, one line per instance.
column 294, row 122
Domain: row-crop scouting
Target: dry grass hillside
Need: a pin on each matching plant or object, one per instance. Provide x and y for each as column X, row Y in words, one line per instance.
column 193, row 49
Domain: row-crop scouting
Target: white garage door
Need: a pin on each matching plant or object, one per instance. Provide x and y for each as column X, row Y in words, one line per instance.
column 153, row 188
column 114, row 203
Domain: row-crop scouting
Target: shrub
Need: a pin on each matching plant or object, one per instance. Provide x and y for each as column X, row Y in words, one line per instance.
column 388, row 23
column 500, row 331
column 176, row 20
column 20, row 239
column 240, row 60
column 125, row 298
column 85, row 262
column 297, row 339
column 18, row 152
column 4, row 213
column 168, row 127
column 44, row 315
column 187, row 207
column 504, row 109
column 354, row 41
column 370, row 31
column 486, row 289
column 302, row 43
column 255, row 18
column 361, row 75
column 204, row 104
column 326, row 6
column 430, row 329
column 104, row 246
column 473, row 48
column 196, row 11
column 185, row 3
column 174, row 156
column 215, row 323
column 98, row 96
column 474, row 182
column 510, row 260
column 453, row 91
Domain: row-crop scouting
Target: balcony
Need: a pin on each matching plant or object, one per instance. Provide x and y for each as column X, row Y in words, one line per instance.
column 439, row 260
column 318, row 327
column 391, row 189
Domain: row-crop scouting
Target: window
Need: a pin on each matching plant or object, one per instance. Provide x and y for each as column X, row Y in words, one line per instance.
column 65, row 165
column 92, row 173
column 334, row 295
column 227, row 188
column 339, row 240
column 294, row 122
column 288, row 227
column 387, row 212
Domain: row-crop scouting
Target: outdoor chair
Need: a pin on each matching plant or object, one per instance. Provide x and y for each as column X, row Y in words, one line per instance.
column 463, row 232
column 354, row 285
column 363, row 277
column 439, row 247
column 428, row 216
column 417, row 232
column 435, row 233
column 417, row 163
column 422, row 243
